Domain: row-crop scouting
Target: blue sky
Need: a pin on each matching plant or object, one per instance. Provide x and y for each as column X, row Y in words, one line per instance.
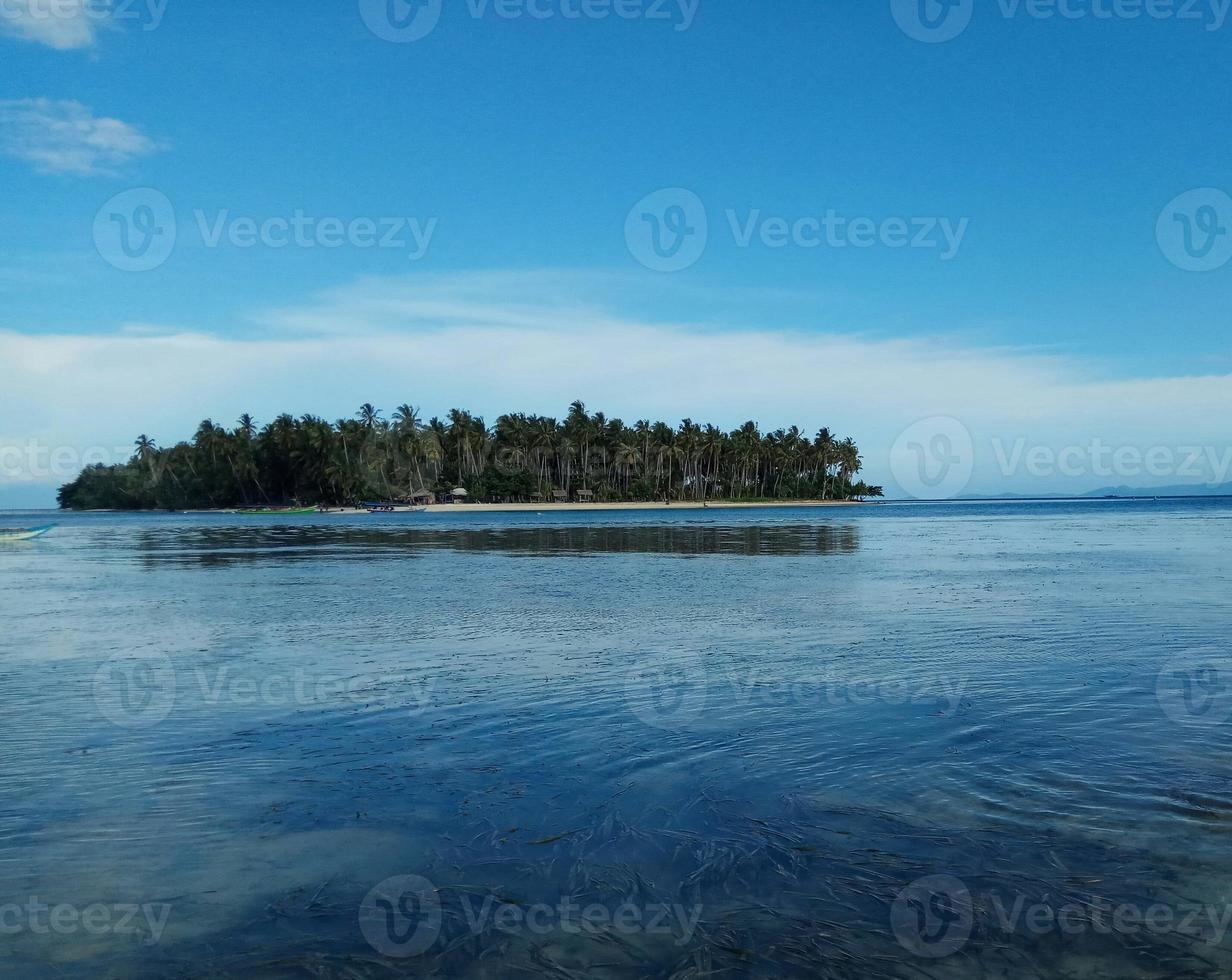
column 518, row 145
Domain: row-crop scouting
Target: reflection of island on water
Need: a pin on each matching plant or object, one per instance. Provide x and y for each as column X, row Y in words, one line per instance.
column 220, row 545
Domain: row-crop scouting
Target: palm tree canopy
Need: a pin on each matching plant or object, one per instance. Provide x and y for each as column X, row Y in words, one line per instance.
column 523, row 456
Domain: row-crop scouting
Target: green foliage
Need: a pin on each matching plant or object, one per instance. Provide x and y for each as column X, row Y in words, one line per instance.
column 522, row 457
column 498, row 485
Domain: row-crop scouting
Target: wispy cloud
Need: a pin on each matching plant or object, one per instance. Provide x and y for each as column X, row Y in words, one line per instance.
column 495, row 342
column 61, row 24
column 65, row 137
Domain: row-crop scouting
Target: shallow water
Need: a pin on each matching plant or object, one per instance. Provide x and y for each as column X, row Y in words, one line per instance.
column 985, row 740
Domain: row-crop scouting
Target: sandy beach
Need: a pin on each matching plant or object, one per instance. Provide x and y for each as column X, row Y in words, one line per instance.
column 654, row 505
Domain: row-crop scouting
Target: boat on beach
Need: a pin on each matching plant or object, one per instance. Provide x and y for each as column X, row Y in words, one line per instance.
column 390, row 508
column 23, row 533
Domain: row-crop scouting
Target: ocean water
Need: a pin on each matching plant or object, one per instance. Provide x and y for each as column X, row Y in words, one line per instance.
column 950, row 740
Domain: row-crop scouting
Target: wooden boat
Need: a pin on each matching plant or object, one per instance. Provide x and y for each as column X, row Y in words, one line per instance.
column 383, row 508
column 23, row 533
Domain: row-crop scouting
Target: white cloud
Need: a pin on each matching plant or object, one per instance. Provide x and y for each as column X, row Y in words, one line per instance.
column 65, row 137
column 454, row 341
column 61, row 24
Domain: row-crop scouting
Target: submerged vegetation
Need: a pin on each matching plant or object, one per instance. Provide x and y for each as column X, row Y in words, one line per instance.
column 520, row 458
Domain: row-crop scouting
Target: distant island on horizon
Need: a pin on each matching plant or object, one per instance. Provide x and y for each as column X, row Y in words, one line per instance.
column 521, row 458
column 1175, row 490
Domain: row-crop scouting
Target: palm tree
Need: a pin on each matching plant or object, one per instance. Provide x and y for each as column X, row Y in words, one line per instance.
column 145, row 446
column 849, row 461
column 544, row 437
column 406, row 417
column 747, row 444
column 712, row 446
column 642, row 429
column 626, row 458
column 825, row 451
column 407, row 444
column 147, row 452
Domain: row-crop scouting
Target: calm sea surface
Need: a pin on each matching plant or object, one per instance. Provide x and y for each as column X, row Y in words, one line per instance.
column 985, row 740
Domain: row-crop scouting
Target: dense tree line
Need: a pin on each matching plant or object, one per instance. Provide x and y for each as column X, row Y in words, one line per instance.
column 522, row 457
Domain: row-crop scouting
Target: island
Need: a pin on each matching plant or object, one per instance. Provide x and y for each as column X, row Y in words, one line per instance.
column 584, row 460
